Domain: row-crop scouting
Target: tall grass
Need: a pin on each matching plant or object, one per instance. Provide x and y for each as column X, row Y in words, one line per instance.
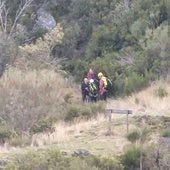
column 26, row 96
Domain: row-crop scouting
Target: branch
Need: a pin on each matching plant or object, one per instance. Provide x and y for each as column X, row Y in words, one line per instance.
column 22, row 7
column 2, row 5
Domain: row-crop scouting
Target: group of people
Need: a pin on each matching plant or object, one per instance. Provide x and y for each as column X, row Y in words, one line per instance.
column 94, row 87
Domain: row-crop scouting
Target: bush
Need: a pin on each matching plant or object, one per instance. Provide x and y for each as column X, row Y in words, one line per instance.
column 160, row 92
column 72, row 111
column 42, row 125
column 50, row 158
column 166, row 132
column 133, row 136
column 5, row 133
column 103, row 163
column 131, row 158
column 134, row 82
column 84, row 111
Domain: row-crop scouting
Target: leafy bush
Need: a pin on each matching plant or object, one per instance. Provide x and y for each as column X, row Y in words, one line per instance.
column 166, row 132
column 38, row 32
column 134, row 82
column 84, row 111
column 42, row 124
column 5, row 133
column 104, row 162
column 72, row 111
column 131, row 158
column 133, row 136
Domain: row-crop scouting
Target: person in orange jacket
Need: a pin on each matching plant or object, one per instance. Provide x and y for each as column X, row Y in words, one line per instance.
column 102, row 86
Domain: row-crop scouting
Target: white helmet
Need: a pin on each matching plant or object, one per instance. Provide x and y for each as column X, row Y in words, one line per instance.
column 91, row 80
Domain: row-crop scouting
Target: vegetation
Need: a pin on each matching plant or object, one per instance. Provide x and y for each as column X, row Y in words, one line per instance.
column 51, row 158
column 129, row 41
column 166, row 132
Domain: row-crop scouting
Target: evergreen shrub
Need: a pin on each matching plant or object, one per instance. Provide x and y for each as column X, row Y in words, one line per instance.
column 166, row 132
column 131, row 158
column 133, row 136
column 134, row 82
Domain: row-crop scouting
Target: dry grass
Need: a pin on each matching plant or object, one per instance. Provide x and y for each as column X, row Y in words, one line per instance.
column 145, row 102
column 27, row 95
column 89, row 134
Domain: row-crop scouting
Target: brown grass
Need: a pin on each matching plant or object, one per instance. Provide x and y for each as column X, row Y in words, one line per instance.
column 27, row 95
column 145, row 102
column 89, row 134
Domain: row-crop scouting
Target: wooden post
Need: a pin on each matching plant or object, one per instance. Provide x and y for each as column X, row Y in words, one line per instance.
column 127, row 122
column 110, row 124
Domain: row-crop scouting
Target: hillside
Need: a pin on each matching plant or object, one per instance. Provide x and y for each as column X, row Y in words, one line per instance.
column 47, row 48
column 128, row 40
column 147, row 107
column 33, row 101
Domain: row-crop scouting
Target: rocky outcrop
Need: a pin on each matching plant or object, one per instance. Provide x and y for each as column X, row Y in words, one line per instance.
column 45, row 19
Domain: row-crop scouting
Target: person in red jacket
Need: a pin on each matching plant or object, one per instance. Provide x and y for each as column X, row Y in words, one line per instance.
column 90, row 74
column 102, row 86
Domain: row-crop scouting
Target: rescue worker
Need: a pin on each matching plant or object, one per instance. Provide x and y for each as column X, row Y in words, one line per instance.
column 85, row 89
column 102, row 86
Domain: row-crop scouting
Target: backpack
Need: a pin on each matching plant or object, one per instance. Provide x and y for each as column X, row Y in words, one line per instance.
column 109, row 84
column 93, row 89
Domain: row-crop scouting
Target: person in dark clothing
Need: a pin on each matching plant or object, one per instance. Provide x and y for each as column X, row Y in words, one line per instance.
column 85, row 89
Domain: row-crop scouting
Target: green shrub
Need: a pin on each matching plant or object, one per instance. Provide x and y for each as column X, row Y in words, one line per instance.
column 50, row 158
column 166, row 132
column 84, row 111
column 160, row 92
column 134, row 82
column 72, row 111
column 133, row 136
column 103, row 163
column 131, row 158
column 5, row 133
column 38, row 32
column 42, row 124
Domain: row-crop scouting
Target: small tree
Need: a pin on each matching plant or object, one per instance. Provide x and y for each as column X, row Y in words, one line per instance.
column 139, row 136
column 43, row 47
column 7, row 32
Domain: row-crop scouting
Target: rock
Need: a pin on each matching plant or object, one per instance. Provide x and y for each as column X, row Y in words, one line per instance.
column 45, row 19
column 64, row 153
column 81, row 152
